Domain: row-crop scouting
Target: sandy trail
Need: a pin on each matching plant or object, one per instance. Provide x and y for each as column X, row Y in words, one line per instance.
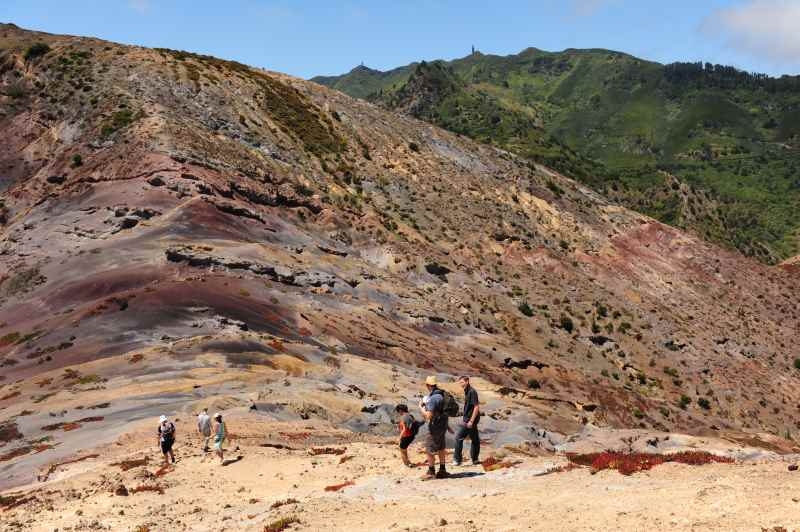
column 199, row 494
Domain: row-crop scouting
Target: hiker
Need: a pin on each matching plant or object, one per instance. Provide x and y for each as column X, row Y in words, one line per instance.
column 166, row 438
column 469, row 426
column 204, row 428
column 433, row 410
column 409, row 427
column 219, row 436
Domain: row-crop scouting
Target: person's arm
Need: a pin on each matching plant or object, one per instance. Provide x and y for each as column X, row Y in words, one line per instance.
column 427, row 415
column 476, row 410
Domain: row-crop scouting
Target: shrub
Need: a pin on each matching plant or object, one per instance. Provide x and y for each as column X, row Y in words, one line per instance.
column 566, row 323
column 77, row 160
column 684, row 402
column 413, row 146
column 526, row 309
column 16, row 90
column 118, row 120
column 534, row 384
column 704, row 403
column 797, row 363
column 36, row 50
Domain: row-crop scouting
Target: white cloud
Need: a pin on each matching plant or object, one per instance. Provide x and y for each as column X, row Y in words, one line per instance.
column 140, row 6
column 767, row 29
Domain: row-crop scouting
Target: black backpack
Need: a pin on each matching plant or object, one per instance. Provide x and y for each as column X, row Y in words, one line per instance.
column 415, row 425
column 450, row 406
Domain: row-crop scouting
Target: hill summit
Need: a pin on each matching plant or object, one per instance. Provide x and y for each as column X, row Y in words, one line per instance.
column 702, row 147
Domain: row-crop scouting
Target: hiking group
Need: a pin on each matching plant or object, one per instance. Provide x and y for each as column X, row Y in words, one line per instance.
column 166, row 434
column 436, row 408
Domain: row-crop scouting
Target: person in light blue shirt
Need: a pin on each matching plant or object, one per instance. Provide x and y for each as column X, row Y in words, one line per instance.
column 220, row 431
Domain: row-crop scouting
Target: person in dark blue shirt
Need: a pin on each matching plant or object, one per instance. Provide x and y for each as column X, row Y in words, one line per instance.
column 469, row 427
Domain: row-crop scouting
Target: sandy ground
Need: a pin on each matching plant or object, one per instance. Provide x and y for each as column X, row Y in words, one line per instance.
column 200, row 494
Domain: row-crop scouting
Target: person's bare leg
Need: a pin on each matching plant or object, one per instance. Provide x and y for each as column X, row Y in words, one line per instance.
column 171, row 456
column 442, row 458
column 404, row 456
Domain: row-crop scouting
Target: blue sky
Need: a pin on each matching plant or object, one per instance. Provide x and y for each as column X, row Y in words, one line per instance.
column 309, row 37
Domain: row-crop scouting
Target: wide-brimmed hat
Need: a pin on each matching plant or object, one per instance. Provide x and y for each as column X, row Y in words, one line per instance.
column 217, row 416
column 431, row 380
column 162, row 419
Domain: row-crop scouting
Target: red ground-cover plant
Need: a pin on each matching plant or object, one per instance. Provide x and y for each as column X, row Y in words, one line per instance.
column 139, row 489
column 163, row 470
column 493, row 464
column 327, row 450
column 337, row 487
column 629, row 463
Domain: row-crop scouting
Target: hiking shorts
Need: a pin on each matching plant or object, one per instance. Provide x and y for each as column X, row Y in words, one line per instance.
column 435, row 441
column 218, row 444
column 166, row 446
column 405, row 441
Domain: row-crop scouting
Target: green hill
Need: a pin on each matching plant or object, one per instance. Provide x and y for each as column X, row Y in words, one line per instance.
column 700, row 146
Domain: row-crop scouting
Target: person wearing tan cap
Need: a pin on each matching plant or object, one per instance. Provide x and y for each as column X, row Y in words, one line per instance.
column 433, row 411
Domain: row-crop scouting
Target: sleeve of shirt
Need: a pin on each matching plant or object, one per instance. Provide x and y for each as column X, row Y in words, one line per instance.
column 435, row 402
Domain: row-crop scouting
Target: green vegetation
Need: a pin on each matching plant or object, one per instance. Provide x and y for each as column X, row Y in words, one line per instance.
column 119, row 120
column 566, row 323
column 35, row 50
column 525, row 309
column 699, row 146
column 797, row 363
column 684, row 402
column 77, row 160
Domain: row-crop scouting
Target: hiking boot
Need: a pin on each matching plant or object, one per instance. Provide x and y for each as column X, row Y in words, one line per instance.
column 476, row 462
column 442, row 473
column 456, row 463
column 430, row 475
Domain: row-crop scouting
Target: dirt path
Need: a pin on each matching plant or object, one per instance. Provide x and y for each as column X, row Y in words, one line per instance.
column 199, row 494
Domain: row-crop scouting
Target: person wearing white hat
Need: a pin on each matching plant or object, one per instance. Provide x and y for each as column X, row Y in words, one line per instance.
column 219, row 435
column 166, row 438
column 204, row 428
column 433, row 411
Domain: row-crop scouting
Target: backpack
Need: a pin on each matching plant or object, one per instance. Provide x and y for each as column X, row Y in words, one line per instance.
column 167, row 432
column 450, row 406
column 415, row 425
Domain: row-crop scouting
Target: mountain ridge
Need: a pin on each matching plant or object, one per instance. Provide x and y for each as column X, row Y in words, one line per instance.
column 618, row 122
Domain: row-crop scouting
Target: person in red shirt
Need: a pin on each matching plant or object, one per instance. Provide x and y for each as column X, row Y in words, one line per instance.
column 408, row 427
